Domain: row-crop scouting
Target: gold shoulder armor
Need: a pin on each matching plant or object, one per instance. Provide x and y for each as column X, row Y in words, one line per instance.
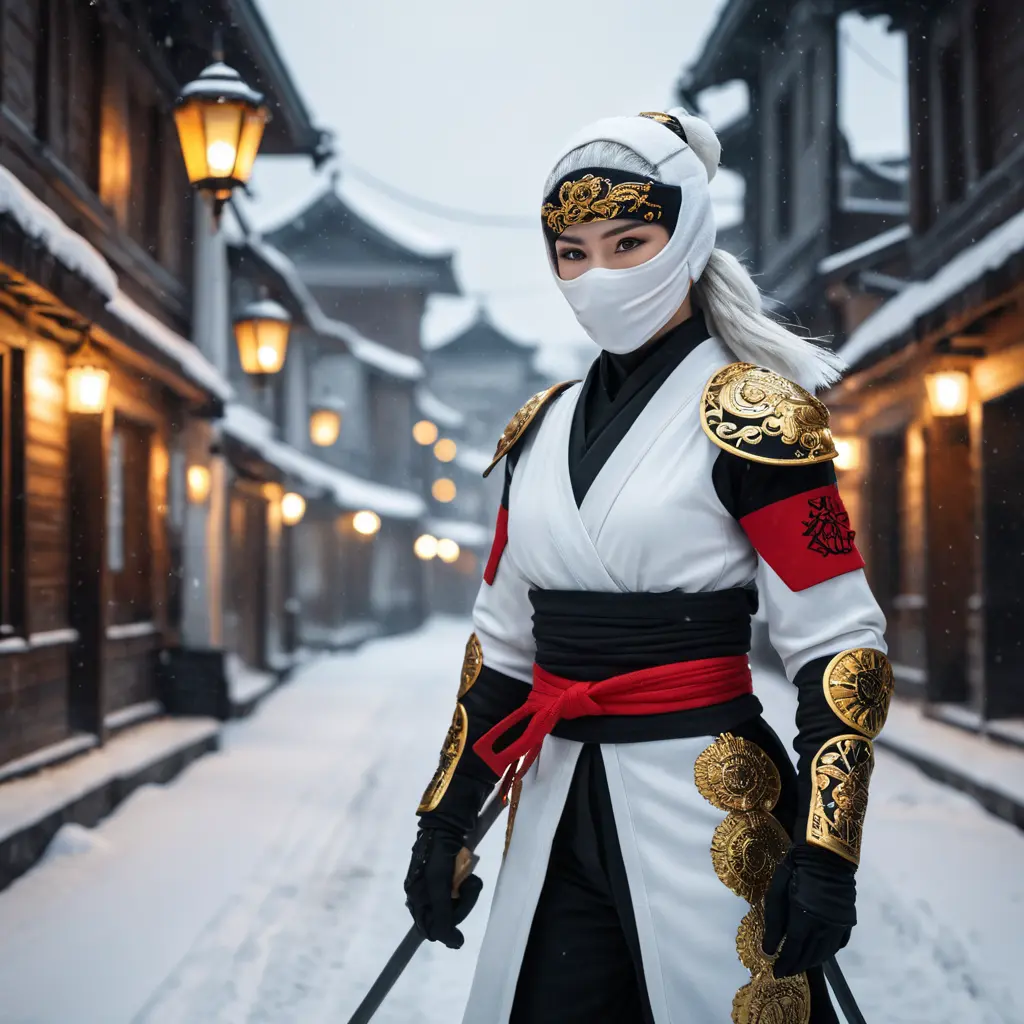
column 520, row 423
column 759, row 415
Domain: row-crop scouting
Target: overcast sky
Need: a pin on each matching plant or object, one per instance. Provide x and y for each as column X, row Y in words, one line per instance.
column 466, row 104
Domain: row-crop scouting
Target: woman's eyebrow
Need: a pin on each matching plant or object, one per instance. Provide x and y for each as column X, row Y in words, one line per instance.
column 620, row 230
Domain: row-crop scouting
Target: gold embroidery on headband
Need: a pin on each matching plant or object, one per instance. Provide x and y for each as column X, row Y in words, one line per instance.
column 592, row 198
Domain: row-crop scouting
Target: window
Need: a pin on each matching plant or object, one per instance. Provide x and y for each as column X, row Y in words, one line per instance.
column 784, row 164
column 12, row 492
column 129, row 541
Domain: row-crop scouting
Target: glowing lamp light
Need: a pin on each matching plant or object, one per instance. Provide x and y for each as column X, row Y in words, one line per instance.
column 425, row 547
column 324, row 426
column 443, row 490
column 293, row 508
column 87, row 389
column 848, row 449
column 424, row 432
column 261, row 330
column 220, row 123
column 367, row 523
column 444, row 450
column 198, row 480
column 448, row 551
column 948, row 392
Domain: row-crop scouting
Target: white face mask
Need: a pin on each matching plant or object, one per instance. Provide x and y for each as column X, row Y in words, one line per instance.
column 622, row 309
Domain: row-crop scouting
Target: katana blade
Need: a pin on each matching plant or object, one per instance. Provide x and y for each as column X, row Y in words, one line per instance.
column 841, row 990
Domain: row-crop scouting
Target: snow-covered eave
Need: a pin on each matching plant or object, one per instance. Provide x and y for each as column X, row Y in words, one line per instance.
column 348, row 491
column 465, row 533
column 440, row 412
column 900, row 316
column 78, row 256
column 853, row 257
column 372, row 354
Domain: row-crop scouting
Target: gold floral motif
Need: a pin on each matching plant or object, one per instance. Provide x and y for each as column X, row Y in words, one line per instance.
column 749, row 938
column 513, row 806
column 841, row 771
column 745, row 850
column 858, row 687
column 592, row 198
column 770, row 1000
column 472, row 665
column 518, row 424
column 454, row 743
column 745, row 405
column 734, row 774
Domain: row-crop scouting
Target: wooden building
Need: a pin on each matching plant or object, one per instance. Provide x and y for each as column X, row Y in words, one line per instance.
column 96, row 288
column 926, row 308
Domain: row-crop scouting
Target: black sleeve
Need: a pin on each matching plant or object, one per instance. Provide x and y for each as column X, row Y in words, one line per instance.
column 743, row 486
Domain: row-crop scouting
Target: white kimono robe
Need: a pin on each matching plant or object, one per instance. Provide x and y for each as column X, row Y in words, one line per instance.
column 651, row 521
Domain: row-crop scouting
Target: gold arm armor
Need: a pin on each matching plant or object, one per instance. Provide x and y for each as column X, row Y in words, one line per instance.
column 858, row 687
column 737, row 776
column 455, row 740
column 759, row 415
column 840, row 774
column 520, row 423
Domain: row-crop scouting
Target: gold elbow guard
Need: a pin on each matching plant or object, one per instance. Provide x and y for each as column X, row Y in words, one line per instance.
column 858, row 687
column 455, row 740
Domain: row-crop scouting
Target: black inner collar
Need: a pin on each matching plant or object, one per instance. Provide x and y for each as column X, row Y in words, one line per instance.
column 615, row 392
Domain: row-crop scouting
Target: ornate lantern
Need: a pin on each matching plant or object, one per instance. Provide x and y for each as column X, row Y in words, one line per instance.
column 293, row 508
column 88, row 381
column 261, row 330
column 220, row 123
column 325, row 422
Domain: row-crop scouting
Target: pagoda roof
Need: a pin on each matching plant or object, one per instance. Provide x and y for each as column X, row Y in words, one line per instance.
column 331, row 244
column 482, row 337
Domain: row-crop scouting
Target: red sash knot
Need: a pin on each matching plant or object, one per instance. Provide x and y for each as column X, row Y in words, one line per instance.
column 650, row 691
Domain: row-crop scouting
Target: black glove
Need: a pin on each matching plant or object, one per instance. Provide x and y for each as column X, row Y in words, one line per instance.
column 428, row 885
column 811, row 904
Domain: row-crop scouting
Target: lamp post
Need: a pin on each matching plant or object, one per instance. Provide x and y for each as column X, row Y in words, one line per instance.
column 220, row 122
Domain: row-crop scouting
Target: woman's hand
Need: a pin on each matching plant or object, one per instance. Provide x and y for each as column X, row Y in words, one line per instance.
column 809, row 909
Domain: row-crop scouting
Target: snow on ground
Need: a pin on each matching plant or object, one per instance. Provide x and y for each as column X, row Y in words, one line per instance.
column 264, row 885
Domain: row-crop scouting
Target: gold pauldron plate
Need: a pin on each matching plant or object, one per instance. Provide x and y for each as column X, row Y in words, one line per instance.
column 518, row 425
column 761, row 416
column 454, row 744
column 472, row 664
column 840, row 774
column 858, row 687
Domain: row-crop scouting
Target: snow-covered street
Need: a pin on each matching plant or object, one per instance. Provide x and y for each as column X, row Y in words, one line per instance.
column 264, row 885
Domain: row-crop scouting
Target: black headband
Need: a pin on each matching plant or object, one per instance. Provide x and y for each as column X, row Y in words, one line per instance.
column 605, row 193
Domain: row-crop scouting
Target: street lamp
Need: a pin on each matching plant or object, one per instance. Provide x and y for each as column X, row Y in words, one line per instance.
column 425, row 547
column 424, row 432
column 261, row 331
column 443, row 490
column 198, row 481
column 448, row 551
column 293, row 508
column 847, row 452
column 88, row 381
column 948, row 392
column 445, row 449
column 220, row 123
column 366, row 522
column 325, row 422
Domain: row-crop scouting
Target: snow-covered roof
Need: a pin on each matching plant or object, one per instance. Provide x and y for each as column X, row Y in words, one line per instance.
column 901, row 313
column 855, row 253
column 472, row 460
column 463, row 532
column 68, row 247
column 434, row 409
column 192, row 362
column 385, row 217
column 349, row 492
column 372, row 353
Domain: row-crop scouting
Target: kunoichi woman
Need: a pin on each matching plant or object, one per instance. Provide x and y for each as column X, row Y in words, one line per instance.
column 665, row 863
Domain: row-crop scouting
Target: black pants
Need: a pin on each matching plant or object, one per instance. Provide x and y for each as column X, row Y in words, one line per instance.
column 582, row 963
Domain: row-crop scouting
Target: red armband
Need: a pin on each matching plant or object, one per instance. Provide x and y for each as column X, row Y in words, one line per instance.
column 806, row 539
column 498, row 546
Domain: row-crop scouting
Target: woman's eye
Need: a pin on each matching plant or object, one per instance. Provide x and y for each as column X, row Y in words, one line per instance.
column 572, row 254
column 628, row 243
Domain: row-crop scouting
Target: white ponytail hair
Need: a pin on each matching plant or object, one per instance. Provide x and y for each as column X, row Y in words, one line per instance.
column 725, row 292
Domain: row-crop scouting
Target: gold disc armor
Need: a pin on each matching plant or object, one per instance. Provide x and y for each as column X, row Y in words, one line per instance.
column 455, row 740
column 858, row 686
column 519, row 424
column 737, row 776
